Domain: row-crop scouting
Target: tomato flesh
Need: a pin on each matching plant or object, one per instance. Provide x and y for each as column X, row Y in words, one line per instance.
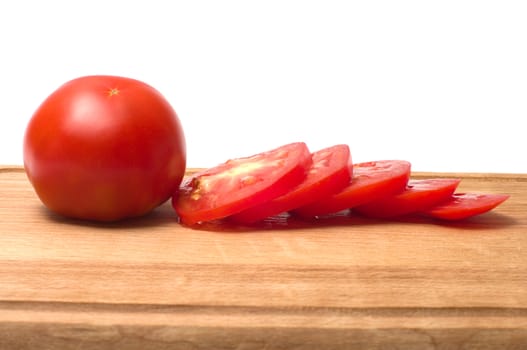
column 241, row 183
column 330, row 172
column 465, row 205
column 370, row 181
column 419, row 195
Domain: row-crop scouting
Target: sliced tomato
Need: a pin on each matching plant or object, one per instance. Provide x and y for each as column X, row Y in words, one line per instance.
column 241, row 183
column 419, row 195
column 330, row 172
column 370, row 181
column 464, row 205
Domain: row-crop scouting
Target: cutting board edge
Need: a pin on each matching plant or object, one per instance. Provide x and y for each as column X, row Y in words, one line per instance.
column 248, row 328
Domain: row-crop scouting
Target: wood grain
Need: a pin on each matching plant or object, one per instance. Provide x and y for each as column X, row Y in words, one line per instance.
column 348, row 283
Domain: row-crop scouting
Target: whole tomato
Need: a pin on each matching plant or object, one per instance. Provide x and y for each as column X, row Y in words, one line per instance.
column 104, row 148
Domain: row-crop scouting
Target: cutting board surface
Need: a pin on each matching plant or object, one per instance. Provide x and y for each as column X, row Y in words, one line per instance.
column 151, row 283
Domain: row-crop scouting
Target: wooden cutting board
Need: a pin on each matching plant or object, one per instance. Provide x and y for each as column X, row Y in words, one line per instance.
column 344, row 283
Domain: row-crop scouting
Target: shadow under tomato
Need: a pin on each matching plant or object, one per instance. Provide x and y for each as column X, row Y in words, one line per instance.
column 284, row 222
column 165, row 215
column 486, row 221
column 159, row 216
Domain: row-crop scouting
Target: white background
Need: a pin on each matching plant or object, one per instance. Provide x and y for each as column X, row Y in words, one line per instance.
column 442, row 84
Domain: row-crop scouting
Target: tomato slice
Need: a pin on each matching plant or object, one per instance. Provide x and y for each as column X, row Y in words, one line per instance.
column 464, row 205
column 370, row 181
column 330, row 172
column 419, row 195
column 241, row 183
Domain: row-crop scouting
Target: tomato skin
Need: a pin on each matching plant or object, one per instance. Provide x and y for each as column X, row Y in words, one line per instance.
column 419, row 195
column 465, row 205
column 330, row 172
column 370, row 181
column 104, row 148
column 241, row 183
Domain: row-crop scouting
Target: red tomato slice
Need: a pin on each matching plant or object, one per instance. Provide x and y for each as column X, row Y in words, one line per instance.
column 241, row 183
column 371, row 181
column 330, row 172
column 418, row 196
column 464, row 205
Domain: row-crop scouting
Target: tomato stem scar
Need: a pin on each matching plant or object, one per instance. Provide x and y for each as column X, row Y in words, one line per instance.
column 113, row 92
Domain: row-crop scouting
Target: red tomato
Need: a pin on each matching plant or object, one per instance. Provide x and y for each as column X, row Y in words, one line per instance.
column 464, row 205
column 104, row 148
column 241, row 183
column 371, row 181
column 330, row 172
column 418, row 196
